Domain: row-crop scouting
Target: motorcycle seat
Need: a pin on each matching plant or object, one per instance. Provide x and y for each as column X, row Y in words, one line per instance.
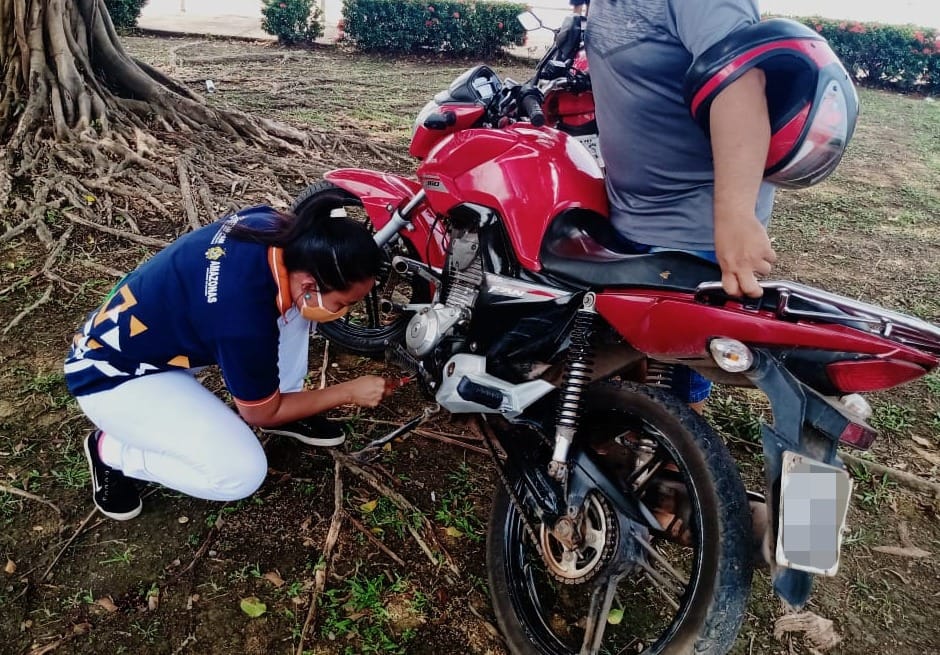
column 583, row 248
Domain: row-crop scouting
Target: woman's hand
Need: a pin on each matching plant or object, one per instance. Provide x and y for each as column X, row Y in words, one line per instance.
column 368, row 390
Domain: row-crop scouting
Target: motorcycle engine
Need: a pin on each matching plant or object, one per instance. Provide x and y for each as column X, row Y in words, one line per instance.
column 462, row 279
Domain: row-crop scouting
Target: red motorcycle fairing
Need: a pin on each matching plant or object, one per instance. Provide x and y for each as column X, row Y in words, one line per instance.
column 527, row 175
column 673, row 325
column 465, row 117
column 383, row 193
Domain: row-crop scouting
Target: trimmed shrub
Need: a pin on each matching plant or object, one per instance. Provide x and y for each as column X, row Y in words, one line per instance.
column 897, row 57
column 463, row 27
column 124, row 13
column 292, row 21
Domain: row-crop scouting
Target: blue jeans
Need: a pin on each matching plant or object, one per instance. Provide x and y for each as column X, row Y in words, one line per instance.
column 686, row 383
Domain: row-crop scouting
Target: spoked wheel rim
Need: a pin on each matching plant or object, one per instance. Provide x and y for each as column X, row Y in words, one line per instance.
column 651, row 601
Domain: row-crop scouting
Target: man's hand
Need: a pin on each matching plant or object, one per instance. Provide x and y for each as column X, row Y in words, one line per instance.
column 743, row 250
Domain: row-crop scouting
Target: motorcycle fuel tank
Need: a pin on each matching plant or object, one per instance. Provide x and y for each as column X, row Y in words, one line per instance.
column 527, row 175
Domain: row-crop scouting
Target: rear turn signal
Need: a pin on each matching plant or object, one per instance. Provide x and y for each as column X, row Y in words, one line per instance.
column 863, row 375
column 859, row 436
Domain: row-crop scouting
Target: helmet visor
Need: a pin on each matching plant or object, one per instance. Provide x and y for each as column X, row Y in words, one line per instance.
column 823, row 145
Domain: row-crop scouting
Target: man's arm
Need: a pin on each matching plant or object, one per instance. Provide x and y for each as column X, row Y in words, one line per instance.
column 740, row 136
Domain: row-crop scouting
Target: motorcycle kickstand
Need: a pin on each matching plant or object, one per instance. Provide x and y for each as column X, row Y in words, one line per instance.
column 601, row 599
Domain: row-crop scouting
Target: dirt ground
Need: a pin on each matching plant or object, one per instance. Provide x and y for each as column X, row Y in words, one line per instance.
column 187, row 574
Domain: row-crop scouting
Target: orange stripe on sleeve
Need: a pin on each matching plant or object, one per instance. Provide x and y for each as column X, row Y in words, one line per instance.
column 258, row 403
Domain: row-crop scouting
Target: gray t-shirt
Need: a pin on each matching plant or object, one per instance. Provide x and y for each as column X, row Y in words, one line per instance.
column 660, row 176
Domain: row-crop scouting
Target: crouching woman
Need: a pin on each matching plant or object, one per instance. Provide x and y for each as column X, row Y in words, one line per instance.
column 243, row 293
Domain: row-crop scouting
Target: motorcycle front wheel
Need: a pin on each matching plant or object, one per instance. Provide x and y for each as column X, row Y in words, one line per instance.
column 689, row 592
column 377, row 320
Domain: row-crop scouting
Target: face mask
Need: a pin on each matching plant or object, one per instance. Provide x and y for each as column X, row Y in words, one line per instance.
column 319, row 313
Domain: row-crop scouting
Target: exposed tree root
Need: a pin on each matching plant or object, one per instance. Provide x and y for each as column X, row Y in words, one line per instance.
column 119, row 148
column 901, row 477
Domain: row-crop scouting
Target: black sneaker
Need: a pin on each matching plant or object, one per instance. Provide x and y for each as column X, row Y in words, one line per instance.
column 114, row 494
column 314, row 431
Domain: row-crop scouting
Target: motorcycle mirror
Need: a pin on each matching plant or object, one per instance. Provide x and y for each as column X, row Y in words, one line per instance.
column 529, row 21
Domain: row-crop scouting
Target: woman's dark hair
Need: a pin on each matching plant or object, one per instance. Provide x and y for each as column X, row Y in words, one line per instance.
column 336, row 251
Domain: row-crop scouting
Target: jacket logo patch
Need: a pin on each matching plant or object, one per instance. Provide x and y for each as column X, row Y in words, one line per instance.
column 215, row 253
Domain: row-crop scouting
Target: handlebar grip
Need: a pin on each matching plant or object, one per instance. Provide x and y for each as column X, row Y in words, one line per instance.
column 440, row 121
column 532, row 107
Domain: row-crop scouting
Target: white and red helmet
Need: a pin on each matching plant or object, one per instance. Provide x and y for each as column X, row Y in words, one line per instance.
column 811, row 100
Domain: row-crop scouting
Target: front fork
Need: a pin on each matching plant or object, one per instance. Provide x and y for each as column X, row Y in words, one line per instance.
column 399, row 220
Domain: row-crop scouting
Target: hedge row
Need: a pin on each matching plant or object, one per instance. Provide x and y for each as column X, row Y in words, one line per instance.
column 897, row 57
column 465, row 27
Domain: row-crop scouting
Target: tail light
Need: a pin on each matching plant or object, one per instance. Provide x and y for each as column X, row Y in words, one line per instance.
column 863, row 375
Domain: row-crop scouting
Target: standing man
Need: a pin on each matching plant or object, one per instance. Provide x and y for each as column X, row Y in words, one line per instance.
column 670, row 186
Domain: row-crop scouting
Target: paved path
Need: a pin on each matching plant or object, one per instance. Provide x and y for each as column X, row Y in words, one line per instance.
column 242, row 18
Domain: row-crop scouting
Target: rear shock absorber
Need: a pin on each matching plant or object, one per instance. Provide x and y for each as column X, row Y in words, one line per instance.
column 578, row 370
column 659, row 374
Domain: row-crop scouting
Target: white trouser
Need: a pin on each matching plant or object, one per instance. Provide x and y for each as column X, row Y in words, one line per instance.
column 168, row 428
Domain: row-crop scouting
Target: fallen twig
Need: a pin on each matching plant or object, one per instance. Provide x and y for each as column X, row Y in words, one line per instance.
column 901, row 477
column 332, row 535
column 449, row 440
column 377, row 543
column 190, row 639
column 187, row 193
column 130, row 236
column 31, row 496
column 326, row 362
column 69, row 541
column 23, row 314
column 405, row 506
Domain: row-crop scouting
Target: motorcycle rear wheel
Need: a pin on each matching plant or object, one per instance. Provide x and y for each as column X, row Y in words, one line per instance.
column 367, row 329
column 539, row 612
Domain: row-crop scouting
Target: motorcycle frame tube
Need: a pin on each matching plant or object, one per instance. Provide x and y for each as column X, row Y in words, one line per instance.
column 383, row 195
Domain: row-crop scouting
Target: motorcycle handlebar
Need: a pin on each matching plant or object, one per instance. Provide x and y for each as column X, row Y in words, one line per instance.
column 531, row 101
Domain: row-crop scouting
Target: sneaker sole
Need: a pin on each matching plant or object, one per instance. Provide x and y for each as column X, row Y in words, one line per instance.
column 124, row 516
column 310, row 441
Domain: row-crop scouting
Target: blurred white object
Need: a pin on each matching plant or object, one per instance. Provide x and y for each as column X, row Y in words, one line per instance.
column 210, row 86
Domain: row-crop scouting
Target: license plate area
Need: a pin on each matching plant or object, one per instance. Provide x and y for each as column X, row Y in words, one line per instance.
column 814, row 500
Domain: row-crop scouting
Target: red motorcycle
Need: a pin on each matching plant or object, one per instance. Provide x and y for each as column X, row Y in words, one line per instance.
column 621, row 523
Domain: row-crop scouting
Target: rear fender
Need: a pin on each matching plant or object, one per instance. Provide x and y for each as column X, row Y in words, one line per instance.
column 381, row 195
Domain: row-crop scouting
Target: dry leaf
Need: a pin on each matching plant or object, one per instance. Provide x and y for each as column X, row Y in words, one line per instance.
column 933, row 458
column 453, row 532
column 274, row 578
column 368, row 508
column 817, row 631
column 926, row 443
column 81, row 628
column 153, row 599
column 107, row 604
column 305, row 525
column 912, row 551
column 10, row 568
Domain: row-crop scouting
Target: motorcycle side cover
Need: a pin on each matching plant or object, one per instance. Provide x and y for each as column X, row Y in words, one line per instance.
column 527, row 175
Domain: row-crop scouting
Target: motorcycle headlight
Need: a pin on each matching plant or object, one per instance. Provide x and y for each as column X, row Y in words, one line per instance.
column 426, row 111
